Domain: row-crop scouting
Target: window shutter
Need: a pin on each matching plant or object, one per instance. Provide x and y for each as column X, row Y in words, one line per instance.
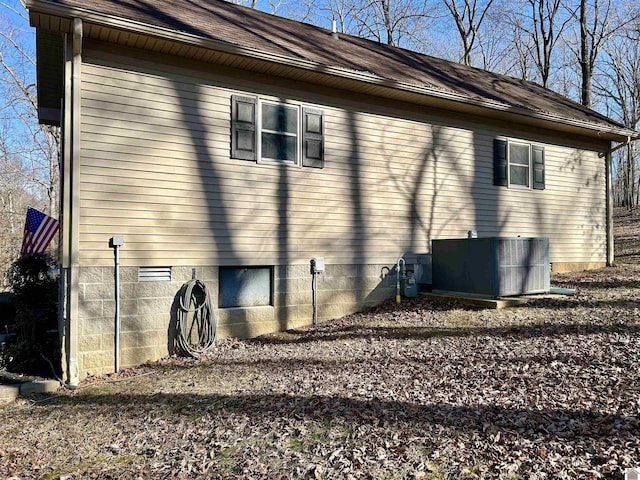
column 538, row 167
column 243, row 127
column 312, row 138
column 500, row 162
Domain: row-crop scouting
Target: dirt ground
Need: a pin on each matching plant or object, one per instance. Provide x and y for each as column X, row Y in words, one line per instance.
column 422, row 390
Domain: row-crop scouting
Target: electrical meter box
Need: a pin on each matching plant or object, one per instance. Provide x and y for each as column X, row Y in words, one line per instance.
column 116, row 241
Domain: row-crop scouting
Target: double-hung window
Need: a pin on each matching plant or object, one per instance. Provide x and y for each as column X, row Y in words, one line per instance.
column 276, row 132
column 518, row 164
column 279, row 132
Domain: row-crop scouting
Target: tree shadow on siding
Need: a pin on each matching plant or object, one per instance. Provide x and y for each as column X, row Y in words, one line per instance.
column 432, row 163
column 218, row 218
column 359, row 233
column 283, row 230
column 490, row 220
column 428, row 179
column 172, row 329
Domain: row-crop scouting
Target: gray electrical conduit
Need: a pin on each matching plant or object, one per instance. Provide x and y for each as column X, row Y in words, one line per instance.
column 200, row 325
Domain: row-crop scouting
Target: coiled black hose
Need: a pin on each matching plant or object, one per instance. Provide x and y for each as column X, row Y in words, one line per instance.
column 195, row 320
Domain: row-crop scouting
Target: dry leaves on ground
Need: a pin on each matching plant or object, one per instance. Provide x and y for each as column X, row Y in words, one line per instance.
column 420, row 391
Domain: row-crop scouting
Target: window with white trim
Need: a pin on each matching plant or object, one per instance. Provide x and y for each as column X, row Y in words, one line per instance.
column 519, row 164
column 278, row 132
column 519, row 158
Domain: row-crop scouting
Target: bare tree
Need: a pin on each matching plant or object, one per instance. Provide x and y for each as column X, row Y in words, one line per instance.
column 538, row 26
column 394, row 22
column 29, row 152
column 494, row 47
column 246, row 3
column 619, row 83
column 15, row 197
column 468, row 16
column 36, row 145
column 599, row 20
column 591, row 36
column 344, row 12
column 400, row 23
column 523, row 62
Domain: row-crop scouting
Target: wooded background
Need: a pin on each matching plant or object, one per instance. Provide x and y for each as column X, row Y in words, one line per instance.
column 586, row 50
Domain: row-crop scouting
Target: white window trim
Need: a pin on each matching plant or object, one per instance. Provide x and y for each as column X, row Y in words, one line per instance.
column 298, row 135
column 530, row 165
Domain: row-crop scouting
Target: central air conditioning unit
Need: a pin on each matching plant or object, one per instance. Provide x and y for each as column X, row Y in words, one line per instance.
column 491, row 266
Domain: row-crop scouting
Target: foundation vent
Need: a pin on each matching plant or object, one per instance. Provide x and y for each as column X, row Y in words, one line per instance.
column 154, row 274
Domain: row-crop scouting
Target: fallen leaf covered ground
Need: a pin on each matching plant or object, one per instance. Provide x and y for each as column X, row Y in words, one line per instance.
column 422, row 390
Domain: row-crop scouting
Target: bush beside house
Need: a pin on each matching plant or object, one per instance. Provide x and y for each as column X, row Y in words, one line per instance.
column 34, row 346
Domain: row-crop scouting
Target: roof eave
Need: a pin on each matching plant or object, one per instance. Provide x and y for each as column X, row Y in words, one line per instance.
column 601, row 130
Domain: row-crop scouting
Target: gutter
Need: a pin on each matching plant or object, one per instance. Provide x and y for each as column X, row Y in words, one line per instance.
column 619, row 146
column 359, row 76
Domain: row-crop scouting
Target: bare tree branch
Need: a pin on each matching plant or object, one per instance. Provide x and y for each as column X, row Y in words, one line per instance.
column 468, row 22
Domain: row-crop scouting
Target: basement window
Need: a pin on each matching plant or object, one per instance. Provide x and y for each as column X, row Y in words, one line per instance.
column 245, row 287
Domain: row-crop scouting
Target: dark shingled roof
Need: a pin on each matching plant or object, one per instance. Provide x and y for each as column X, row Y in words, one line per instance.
column 220, row 21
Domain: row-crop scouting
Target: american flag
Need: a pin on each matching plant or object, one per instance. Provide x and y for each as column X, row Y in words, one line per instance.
column 39, row 229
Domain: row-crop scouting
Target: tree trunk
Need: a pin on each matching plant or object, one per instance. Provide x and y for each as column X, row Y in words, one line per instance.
column 388, row 26
column 585, row 61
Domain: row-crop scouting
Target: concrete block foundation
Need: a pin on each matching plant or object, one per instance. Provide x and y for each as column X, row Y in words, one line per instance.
column 146, row 307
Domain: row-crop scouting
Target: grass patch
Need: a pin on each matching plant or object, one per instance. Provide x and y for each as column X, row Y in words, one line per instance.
column 121, row 460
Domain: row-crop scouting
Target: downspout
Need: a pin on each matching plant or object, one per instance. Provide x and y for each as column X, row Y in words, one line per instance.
column 609, row 197
column 72, row 189
column 63, row 309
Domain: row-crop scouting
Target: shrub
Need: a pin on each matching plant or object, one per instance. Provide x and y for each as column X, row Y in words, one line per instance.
column 7, row 311
column 35, row 286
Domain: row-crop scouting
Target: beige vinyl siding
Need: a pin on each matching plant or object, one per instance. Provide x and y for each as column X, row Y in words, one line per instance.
column 155, row 168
